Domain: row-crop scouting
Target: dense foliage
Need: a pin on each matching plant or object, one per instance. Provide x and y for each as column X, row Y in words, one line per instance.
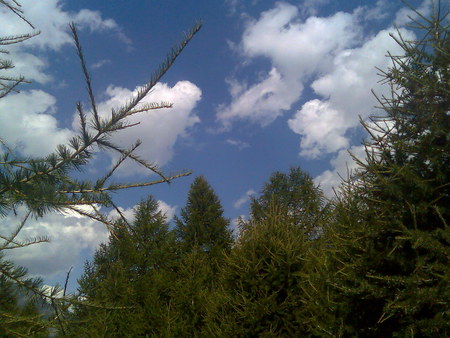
column 372, row 262
column 202, row 224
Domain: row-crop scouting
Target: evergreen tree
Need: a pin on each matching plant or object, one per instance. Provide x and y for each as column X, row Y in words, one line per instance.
column 261, row 290
column 195, row 280
column 203, row 237
column 390, row 242
column 202, row 223
column 296, row 195
column 48, row 184
column 133, row 275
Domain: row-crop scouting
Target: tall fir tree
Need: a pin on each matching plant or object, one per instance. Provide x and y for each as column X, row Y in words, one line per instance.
column 203, row 238
column 390, row 242
column 202, row 224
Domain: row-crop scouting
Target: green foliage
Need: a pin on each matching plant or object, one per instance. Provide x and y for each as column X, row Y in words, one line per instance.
column 48, row 184
column 202, row 223
column 191, row 289
column 296, row 195
column 390, row 241
column 131, row 276
column 19, row 314
column 261, row 282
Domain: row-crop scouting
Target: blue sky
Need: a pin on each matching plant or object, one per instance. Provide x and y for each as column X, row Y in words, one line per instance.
column 264, row 86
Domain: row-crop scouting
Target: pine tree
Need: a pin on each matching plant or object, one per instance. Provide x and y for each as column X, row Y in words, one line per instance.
column 202, row 224
column 390, row 243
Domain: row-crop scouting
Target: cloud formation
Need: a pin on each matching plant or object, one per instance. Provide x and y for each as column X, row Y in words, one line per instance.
column 296, row 49
column 346, row 94
column 329, row 54
column 27, row 120
column 28, row 124
column 70, row 236
column 50, row 18
column 158, row 130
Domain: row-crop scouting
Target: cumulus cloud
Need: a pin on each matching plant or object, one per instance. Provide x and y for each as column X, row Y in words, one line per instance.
column 158, row 129
column 244, row 199
column 346, row 92
column 71, row 235
column 26, row 119
column 27, row 123
column 50, row 18
column 167, row 210
column 296, row 49
column 328, row 53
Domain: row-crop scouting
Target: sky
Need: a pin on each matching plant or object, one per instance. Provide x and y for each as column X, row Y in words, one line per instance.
column 264, row 85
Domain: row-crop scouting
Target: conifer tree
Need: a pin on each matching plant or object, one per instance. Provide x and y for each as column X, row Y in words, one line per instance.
column 202, row 224
column 390, row 242
column 133, row 274
column 48, row 184
column 296, row 195
column 260, row 290
column 203, row 237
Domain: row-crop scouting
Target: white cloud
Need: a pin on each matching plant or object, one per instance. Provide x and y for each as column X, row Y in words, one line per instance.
column 127, row 213
column 237, row 143
column 26, row 120
column 310, row 7
column 70, row 236
column 379, row 12
column 101, row 63
column 342, row 164
column 405, row 14
column 28, row 124
column 52, row 20
column 28, row 65
column 296, row 50
column 158, row 129
column 346, row 92
column 167, row 210
column 244, row 199
column 261, row 103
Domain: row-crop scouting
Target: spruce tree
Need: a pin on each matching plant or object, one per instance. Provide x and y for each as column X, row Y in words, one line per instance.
column 390, row 242
column 202, row 224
